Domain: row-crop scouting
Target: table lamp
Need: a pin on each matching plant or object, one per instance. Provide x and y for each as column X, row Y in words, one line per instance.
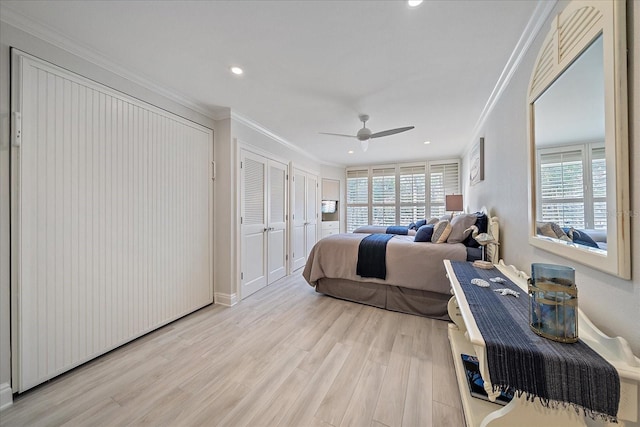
column 453, row 203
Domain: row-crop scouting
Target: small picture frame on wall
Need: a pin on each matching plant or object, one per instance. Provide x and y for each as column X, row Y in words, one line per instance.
column 476, row 162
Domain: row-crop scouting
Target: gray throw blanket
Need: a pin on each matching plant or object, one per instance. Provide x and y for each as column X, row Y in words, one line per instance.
column 372, row 256
column 556, row 373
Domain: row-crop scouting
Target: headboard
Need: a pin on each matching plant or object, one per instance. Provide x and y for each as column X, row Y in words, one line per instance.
column 493, row 228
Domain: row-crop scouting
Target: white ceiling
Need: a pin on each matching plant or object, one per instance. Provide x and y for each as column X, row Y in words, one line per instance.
column 312, row 66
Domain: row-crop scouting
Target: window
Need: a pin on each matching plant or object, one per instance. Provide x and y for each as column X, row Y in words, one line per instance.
column 599, row 185
column 383, row 196
column 412, row 193
column 572, row 186
column 397, row 194
column 444, row 178
column 357, row 199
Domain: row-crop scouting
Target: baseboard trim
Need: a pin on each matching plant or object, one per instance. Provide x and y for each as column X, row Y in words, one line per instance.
column 227, row 300
column 6, row 396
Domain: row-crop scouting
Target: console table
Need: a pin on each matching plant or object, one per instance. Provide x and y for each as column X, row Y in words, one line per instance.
column 465, row 337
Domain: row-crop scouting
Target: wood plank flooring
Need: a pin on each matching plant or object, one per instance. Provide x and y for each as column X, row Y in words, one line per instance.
column 285, row 356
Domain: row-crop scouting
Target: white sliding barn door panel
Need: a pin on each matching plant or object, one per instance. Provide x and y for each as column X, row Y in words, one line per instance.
column 277, row 226
column 304, row 216
column 112, row 225
column 253, row 223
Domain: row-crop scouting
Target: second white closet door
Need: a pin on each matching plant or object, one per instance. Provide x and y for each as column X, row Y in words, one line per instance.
column 305, row 216
column 277, row 225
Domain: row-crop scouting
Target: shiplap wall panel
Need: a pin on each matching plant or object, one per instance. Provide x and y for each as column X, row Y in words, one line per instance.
column 114, row 219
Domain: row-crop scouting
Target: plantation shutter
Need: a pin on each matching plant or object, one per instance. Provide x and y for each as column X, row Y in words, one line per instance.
column 562, row 188
column 444, row 178
column 357, row 199
column 412, row 194
column 599, row 188
column 383, row 196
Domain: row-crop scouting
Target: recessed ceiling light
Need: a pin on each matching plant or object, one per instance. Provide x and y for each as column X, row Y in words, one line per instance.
column 427, row 142
column 414, row 3
column 237, row 70
column 350, row 151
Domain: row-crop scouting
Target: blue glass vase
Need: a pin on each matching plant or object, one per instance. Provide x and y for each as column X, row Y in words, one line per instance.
column 554, row 302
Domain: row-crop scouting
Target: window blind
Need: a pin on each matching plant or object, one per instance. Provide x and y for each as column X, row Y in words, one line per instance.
column 444, row 178
column 357, row 186
column 572, row 185
column 562, row 188
column 383, row 196
column 412, row 193
column 357, row 199
column 599, row 187
column 399, row 194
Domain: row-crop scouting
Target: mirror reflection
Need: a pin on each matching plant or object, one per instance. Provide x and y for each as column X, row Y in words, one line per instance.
column 570, row 157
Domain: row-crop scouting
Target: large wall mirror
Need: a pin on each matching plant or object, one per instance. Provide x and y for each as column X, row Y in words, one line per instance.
column 579, row 165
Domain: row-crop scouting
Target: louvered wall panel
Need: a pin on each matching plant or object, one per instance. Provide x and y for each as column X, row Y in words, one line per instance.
column 114, row 220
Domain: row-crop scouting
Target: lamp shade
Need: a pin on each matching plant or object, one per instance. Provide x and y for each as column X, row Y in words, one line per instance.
column 453, row 202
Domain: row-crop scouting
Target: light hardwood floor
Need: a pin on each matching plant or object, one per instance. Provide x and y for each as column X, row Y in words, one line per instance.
column 285, row 356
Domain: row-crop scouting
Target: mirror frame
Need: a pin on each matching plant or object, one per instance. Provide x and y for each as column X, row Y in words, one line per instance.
column 572, row 31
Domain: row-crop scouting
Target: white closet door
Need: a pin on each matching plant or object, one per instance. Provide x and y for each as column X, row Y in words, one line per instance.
column 276, row 227
column 311, row 216
column 299, row 248
column 254, row 223
column 111, row 225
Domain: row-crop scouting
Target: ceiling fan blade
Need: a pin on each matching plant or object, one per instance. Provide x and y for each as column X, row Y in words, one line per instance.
column 391, row 132
column 337, row 134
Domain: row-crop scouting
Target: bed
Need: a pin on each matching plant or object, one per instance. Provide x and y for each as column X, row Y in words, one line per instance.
column 415, row 280
column 383, row 229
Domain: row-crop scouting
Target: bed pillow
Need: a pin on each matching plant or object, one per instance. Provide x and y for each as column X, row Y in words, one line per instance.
column 420, row 223
column 441, row 231
column 582, row 238
column 551, row 229
column 433, row 221
column 482, row 222
column 424, row 233
column 460, row 227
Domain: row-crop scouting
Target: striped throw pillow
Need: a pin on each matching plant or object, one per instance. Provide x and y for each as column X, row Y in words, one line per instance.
column 441, row 231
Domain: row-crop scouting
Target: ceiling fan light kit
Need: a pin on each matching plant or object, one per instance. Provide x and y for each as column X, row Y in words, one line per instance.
column 365, row 134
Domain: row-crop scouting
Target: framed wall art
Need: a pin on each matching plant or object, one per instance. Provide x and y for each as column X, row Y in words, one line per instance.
column 476, row 163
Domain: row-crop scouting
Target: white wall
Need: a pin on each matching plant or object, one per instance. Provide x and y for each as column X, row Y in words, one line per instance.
column 13, row 37
column 612, row 303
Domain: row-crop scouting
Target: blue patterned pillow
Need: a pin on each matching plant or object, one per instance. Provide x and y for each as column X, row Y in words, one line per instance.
column 582, row 238
column 424, row 233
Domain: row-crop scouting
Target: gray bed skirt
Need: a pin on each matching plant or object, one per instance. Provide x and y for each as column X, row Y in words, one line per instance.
column 394, row 298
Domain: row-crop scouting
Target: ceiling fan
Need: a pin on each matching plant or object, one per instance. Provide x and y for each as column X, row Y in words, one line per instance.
column 365, row 134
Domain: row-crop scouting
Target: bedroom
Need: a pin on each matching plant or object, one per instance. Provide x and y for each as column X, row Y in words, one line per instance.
column 612, row 303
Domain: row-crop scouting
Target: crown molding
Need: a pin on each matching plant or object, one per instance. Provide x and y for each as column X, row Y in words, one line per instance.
column 537, row 20
column 266, row 132
column 53, row 37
